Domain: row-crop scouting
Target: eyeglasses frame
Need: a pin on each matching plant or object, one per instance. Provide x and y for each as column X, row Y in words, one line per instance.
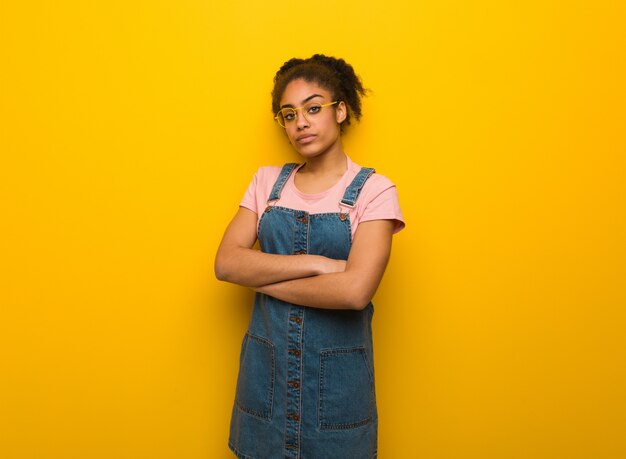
column 295, row 110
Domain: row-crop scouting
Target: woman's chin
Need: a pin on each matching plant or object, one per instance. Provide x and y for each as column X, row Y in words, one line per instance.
column 306, row 152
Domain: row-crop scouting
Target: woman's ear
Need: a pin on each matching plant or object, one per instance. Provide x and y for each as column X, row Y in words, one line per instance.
column 341, row 112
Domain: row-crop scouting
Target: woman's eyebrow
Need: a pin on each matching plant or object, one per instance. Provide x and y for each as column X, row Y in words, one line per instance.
column 303, row 102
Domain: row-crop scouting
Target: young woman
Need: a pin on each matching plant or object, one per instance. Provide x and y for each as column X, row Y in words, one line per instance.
column 306, row 378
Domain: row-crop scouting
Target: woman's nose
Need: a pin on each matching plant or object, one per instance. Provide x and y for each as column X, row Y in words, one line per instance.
column 301, row 121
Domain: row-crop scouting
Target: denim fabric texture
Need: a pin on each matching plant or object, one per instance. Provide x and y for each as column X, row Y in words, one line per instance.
column 305, row 388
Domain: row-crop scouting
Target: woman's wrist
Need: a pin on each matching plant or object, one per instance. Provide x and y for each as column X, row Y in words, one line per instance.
column 327, row 265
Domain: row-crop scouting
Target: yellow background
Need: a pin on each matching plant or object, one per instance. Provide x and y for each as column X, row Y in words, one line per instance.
column 130, row 129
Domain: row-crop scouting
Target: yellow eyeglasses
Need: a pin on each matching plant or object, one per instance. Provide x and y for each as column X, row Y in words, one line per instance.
column 288, row 115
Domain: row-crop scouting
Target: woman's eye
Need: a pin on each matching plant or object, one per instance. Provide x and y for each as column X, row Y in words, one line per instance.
column 313, row 109
column 289, row 116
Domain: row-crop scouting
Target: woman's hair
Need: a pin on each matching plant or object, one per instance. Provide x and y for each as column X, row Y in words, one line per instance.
column 334, row 75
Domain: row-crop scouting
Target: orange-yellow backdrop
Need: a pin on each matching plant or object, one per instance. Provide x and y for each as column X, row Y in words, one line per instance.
column 130, row 129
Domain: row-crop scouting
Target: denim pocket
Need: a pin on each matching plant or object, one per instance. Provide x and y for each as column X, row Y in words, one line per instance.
column 255, row 384
column 346, row 389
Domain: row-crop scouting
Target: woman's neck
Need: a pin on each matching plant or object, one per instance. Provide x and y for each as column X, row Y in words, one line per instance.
column 320, row 173
column 328, row 164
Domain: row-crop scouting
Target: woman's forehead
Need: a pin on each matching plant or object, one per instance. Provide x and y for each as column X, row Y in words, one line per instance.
column 298, row 91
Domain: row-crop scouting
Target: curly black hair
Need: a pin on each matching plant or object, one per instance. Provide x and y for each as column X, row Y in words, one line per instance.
column 333, row 74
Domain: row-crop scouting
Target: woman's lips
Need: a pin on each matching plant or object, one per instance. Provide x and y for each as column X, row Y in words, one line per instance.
column 304, row 139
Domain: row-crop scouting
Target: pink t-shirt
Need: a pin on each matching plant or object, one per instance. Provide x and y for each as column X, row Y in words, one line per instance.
column 378, row 199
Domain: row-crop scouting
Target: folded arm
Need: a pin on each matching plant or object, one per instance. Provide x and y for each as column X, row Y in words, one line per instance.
column 237, row 262
column 352, row 288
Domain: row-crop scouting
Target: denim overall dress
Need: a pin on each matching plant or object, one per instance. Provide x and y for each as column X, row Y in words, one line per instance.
column 306, row 378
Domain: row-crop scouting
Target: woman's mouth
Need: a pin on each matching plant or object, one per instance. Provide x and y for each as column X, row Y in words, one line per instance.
column 304, row 139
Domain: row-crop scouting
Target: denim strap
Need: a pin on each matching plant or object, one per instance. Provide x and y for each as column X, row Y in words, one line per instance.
column 354, row 189
column 281, row 180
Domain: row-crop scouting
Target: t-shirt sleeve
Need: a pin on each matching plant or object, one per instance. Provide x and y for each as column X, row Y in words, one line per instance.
column 259, row 189
column 381, row 202
column 249, row 200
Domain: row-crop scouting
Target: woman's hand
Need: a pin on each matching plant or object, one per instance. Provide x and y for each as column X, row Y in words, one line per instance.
column 328, row 265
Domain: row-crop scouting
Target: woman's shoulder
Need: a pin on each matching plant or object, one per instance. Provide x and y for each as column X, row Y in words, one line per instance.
column 376, row 182
column 265, row 177
column 266, row 174
column 380, row 181
column 379, row 201
column 271, row 171
column 268, row 170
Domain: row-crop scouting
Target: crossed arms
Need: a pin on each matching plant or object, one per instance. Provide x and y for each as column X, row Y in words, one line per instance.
column 307, row 280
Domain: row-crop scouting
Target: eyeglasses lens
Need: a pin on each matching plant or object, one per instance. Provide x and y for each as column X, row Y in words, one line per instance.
column 288, row 115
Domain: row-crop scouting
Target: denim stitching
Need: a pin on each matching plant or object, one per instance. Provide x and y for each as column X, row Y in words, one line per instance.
column 256, row 414
column 329, row 352
column 351, row 195
column 308, row 228
column 279, row 208
column 283, row 176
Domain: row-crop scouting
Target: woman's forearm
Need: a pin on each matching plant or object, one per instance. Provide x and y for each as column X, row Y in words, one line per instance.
column 327, row 291
column 253, row 268
column 237, row 262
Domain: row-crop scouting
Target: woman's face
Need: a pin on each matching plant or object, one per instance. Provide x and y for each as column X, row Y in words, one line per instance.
column 317, row 131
